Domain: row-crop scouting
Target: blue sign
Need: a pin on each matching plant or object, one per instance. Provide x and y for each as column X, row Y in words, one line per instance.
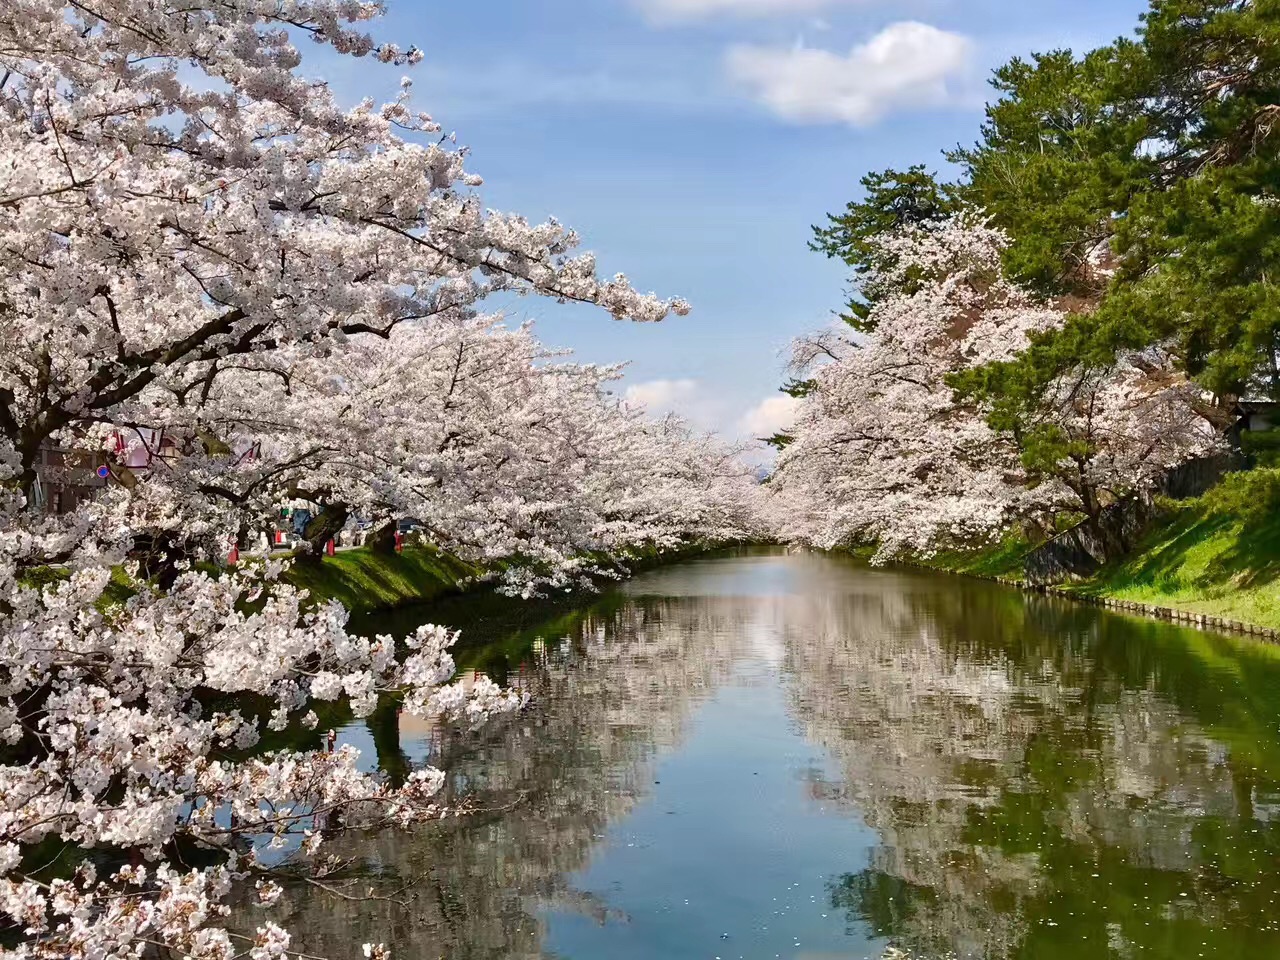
column 104, row 471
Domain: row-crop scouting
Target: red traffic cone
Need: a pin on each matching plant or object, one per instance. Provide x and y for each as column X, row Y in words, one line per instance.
column 279, row 537
column 329, row 550
column 399, row 542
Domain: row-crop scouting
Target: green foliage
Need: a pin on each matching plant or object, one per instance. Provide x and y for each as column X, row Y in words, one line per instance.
column 1017, row 393
column 1048, row 450
column 1263, row 448
column 1204, row 252
column 892, row 200
column 1251, row 498
column 799, row 388
column 1057, row 159
column 1140, row 186
column 1170, row 144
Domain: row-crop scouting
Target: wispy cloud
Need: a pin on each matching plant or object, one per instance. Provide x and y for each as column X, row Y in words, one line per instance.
column 710, row 409
column 692, row 400
column 665, row 396
column 689, row 400
column 906, row 66
column 514, row 84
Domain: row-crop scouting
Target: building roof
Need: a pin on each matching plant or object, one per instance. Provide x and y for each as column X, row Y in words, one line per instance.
column 1257, row 406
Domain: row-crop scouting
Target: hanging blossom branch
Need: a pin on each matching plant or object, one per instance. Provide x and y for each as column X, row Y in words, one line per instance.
column 152, row 224
column 230, row 291
column 130, row 715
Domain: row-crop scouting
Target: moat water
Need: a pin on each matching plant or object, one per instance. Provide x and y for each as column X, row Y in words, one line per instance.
column 797, row 756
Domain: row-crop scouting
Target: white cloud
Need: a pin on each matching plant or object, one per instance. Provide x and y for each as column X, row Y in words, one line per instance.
column 907, row 65
column 665, row 396
column 689, row 9
column 772, row 415
column 692, row 400
column 706, row 409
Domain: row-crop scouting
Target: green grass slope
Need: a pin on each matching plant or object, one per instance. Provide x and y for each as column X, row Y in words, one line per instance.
column 368, row 582
column 1001, row 560
column 1217, row 555
column 364, row 580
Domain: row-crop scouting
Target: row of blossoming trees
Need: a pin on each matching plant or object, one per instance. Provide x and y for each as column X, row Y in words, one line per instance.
column 1078, row 314
column 197, row 239
column 885, row 452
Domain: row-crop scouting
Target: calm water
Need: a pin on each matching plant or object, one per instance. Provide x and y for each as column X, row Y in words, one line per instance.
column 773, row 756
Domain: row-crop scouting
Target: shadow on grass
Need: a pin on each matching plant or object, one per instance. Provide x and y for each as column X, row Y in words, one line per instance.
column 1254, row 558
column 363, row 580
column 1205, row 553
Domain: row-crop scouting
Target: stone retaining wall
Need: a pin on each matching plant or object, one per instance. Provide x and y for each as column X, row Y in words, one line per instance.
column 1080, row 552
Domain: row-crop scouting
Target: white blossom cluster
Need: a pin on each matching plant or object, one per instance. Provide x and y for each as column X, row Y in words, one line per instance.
column 202, row 250
column 128, row 725
column 883, row 452
column 499, row 447
column 199, row 240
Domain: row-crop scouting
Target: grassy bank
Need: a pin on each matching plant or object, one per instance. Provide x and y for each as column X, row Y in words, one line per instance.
column 365, row 581
column 1003, row 560
column 1217, row 555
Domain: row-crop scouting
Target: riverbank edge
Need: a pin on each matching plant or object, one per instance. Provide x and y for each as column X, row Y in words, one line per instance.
column 368, row 582
column 1210, row 562
column 1079, row 593
column 1150, row 611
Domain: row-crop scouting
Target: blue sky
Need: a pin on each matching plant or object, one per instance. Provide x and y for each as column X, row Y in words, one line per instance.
column 692, row 143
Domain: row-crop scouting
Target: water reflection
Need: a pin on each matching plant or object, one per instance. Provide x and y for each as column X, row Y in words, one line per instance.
column 796, row 756
column 1045, row 780
column 618, row 687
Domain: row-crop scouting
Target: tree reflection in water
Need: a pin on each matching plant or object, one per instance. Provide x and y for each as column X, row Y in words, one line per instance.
column 605, row 700
column 1044, row 780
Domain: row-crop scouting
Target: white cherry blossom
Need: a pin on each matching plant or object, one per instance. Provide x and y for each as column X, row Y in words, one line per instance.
column 232, row 291
column 882, row 451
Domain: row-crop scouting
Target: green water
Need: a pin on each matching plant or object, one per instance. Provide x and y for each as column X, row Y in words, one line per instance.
column 773, row 756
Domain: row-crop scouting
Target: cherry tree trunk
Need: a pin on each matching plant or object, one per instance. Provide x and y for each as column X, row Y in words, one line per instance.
column 320, row 530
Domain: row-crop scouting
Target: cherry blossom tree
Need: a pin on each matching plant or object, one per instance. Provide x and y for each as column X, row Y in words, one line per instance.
column 501, row 448
column 176, row 194
column 128, row 726
column 883, row 451
column 202, row 245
